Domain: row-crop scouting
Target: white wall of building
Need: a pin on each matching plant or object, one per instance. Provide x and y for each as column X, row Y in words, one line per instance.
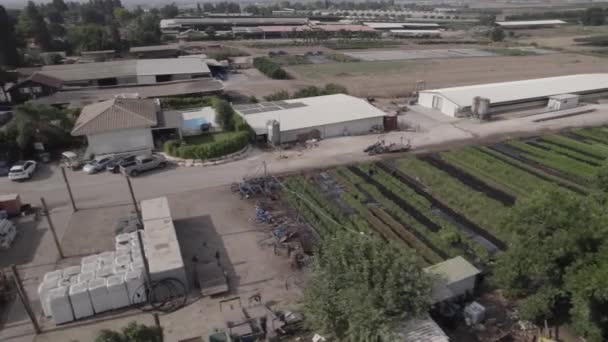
column 146, row 79
column 438, row 102
column 356, row 127
column 120, row 141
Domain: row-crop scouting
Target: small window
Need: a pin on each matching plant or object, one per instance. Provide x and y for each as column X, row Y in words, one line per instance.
column 24, row 90
column 147, row 160
column 37, row 90
column 437, row 102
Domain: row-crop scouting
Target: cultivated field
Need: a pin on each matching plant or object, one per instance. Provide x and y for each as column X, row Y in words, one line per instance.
column 397, row 78
column 450, row 203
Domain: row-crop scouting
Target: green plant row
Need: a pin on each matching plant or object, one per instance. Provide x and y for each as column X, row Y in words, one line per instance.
column 495, row 171
column 476, row 206
column 270, row 68
column 208, row 151
column 396, row 211
column 565, row 183
column 569, row 153
column 597, row 134
column 597, row 149
column 582, row 172
column 186, row 102
column 449, row 238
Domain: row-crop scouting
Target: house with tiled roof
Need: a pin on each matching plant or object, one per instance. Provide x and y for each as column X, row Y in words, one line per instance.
column 118, row 125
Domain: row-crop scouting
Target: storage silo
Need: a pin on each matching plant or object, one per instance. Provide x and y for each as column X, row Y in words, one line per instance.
column 274, row 132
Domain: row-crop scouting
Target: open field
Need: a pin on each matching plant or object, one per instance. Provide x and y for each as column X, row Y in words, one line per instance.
column 394, row 78
column 449, row 203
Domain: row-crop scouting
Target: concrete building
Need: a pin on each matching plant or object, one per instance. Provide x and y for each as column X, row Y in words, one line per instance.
column 225, row 23
column 155, row 51
column 33, row 87
column 118, row 125
column 528, row 24
column 312, row 117
column 388, row 26
column 452, row 278
column 511, row 96
column 415, row 33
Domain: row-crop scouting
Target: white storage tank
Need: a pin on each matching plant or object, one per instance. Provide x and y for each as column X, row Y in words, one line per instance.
column 43, row 293
column 99, row 295
column 59, row 305
column 53, row 276
column 135, row 286
column 117, row 290
column 87, row 268
column 105, row 271
column 86, row 277
column 89, row 259
column 81, row 302
column 71, row 271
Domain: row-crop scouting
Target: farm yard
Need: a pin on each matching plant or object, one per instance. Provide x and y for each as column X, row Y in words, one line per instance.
column 449, row 203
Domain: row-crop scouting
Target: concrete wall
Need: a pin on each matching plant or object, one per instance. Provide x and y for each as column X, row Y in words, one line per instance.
column 146, row 79
column 447, row 107
column 120, row 141
column 356, row 127
column 462, row 287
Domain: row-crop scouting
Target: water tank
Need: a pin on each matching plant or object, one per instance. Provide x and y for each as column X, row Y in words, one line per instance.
column 274, row 132
column 53, row 276
column 86, row 268
column 123, row 239
column 86, row 277
column 99, row 295
column 483, row 110
column 59, row 305
column 104, row 271
column 117, row 291
column 475, row 106
column 43, row 293
column 81, row 302
column 71, row 271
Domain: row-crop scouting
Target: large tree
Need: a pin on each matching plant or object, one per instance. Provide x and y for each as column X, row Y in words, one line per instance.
column 593, row 16
column 8, row 41
column 363, row 287
column 169, row 11
column 552, row 232
column 32, row 25
column 145, row 30
column 48, row 125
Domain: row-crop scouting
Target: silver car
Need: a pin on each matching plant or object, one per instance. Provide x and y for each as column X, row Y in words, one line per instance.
column 97, row 165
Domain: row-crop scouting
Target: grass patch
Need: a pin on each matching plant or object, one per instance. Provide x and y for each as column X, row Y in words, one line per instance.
column 286, row 60
column 341, row 58
column 360, row 44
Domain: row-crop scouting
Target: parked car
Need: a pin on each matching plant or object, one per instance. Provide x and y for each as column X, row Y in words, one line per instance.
column 4, row 168
column 22, row 170
column 114, row 165
column 142, row 164
column 71, row 160
column 97, row 165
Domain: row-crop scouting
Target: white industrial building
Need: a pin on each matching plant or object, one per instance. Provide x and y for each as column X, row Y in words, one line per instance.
column 313, row 117
column 524, row 24
column 510, row 96
column 452, row 279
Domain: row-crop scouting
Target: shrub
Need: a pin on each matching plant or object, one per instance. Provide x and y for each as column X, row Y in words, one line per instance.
column 224, row 114
column 186, row 102
column 270, row 68
column 170, row 147
column 215, row 149
column 278, row 96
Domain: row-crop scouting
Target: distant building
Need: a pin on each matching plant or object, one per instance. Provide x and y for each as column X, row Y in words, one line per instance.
column 388, row 26
column 528, row 24
column 225, row 23
column 155, row 51
column 97, row 56
column 311, row 117
column 510, row 96
column 36, row 86
column 415, row 33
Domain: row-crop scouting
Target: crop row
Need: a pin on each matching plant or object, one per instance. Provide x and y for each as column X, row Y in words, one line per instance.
column 480, row 209
column 599, row 135
column 589, row 148
column 580, row 171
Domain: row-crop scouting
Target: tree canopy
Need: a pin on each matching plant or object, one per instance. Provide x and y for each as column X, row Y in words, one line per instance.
column 362, row 288
column 8, row 41
column 133, row 332
column 559, row 240
column 593, row 16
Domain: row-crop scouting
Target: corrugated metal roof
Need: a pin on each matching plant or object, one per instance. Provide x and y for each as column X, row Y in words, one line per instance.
column 268, row 29
column 171, row 66
column 115, row 114
column 314, row 111
column 125, row 68
column 398, row 25
column 453, row 270
column 253, row 21
column 525, row 89
column 337, row 28
column 422, row 329
column 530, row 22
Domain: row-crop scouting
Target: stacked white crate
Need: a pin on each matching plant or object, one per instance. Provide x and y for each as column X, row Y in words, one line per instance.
column 80, row 300
column 60, row 306
column 160, row 241
column 117, row 291
column 99, row 295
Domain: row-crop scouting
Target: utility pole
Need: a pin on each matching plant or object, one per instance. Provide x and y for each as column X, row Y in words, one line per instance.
column 67, row 185
column 133, row 197
column 25, row 300
column 47, row 214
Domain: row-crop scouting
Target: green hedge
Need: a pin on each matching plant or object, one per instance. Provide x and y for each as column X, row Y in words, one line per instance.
column 208, row 151
column 270, row 68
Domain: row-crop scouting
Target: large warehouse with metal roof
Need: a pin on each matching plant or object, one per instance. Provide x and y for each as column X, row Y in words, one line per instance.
column 312, row 117
column 506, row 96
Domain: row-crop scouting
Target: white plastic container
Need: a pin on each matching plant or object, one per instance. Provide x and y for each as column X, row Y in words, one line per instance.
column 123, row 248
column 86, row 277
column 59, row 305
column 123, row 239
column 135, row 286
column 87, row 268
column 122, row 260
column 104, row 271
column 117, row 289
column 123, row 253
column 99, row 295
column 53, row 276
column 43, row 293
column 105, row 258
column 120, row 269
column 81, row 302
column 89, row 259
column 71, row 271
